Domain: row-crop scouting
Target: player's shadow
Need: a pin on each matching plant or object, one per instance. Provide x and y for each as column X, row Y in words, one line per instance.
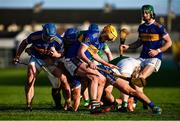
column 37, row 108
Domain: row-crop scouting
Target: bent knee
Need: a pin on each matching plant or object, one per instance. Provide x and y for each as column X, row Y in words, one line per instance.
column 63, row 78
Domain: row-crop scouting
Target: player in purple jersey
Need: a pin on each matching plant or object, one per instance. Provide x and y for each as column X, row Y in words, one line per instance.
column 46, row 47
column 151, row 36
column 154, row 39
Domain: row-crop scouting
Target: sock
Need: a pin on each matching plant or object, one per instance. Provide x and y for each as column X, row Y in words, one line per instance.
column 151, row 105
column 87, row 101
column 124, row 104
column 135, row 100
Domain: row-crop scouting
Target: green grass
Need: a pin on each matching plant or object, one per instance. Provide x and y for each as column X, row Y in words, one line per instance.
column 163, row 89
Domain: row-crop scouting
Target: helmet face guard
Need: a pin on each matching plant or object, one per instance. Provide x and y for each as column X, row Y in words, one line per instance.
column 109, row 33
column 49, row 30
column 71, row 35
column 148, row 9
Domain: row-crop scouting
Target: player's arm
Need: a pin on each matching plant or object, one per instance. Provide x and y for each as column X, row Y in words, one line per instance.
column 108, row 53
column 133, row 45
column 167, row 43
column 167, row 40
column 55, row 53
column 57, row 50
column 99, row 59
column 20, row 49
column 81, row 53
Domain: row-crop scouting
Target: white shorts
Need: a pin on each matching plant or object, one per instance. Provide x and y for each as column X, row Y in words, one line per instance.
column 127, row 66
column 54, row 80
column 155, row 62
column 72, row 64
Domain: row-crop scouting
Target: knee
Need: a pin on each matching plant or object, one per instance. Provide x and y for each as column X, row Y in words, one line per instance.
column 76, row 93
column 142, row 75
column 101, row 81
column 63, row 79
column 132, row 92
column 31, row 76
column 107, row 92
column 30, row 81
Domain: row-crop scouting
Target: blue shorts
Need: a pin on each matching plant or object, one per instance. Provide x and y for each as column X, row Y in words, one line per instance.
column 75, row 82
column 109, row 77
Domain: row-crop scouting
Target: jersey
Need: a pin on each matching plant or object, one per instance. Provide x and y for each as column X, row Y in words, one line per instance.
column 92, row 40
column 72, row 49
column 37, row 41
column 116, row 60
column 152, row 37
column 128, row 65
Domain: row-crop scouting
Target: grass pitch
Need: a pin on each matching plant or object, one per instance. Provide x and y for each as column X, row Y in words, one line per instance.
column 163, row 89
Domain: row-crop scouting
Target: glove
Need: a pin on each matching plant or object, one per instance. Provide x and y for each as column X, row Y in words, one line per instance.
column 15, row 60
column 140, row 82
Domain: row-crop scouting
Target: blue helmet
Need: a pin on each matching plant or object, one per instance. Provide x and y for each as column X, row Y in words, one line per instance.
column 49, row 29
column 71, row 33
column 93, row 28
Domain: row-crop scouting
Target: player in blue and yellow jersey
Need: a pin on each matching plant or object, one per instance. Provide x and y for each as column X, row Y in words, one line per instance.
column 94, row 43
column 154, row 39
column 79, row 70
column 46, row 46
column 108, row 33
column 75, row 67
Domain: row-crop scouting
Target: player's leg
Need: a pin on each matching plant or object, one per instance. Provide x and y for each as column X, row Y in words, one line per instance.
column 65, row 85
column 55, row 92
column 85, row 92
column 92, row 75
column 29, row 87
column 101, row 84
column 86, row 97
column 107, row 97
column 57, row 98
column 147, row 71
column 76, row 91
column 76, row 67
column 149, row 66
column 125, row 88
column 76, row 95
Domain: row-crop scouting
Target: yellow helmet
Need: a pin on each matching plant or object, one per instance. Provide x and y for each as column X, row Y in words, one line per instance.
column 110, row 31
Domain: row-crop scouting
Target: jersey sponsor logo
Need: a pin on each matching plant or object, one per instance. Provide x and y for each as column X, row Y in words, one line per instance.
column 149, row 37
column 92, row 49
